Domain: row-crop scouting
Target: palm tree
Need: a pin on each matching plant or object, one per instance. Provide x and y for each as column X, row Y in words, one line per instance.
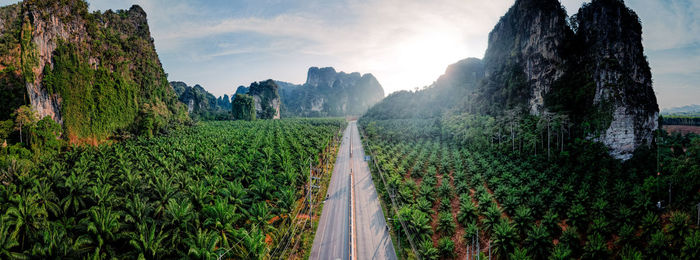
column 102, row 194
column 595, row 247
column 47, row 197
column 236, row 193
column 24, row 116
column 252, row 244
column 261, row 188
column 467, row 210
column 492, row 216
column 538, row 241
column 520, row 254
column 164, row 189
column 259, row 214
column 427, row 250
column 147, row 242
column 221, row 217
column 445, row 225
column 54, row 242
column 137, row 209
column 560, row 252
column 8, row 242
column 102, row 226
column 504, row 237
column 202, row 245
column 26, row 216
column 522, row 219
column 419, row 223
column 691, row 246
column 179, row 215
column 550, row 222
column 74, row 186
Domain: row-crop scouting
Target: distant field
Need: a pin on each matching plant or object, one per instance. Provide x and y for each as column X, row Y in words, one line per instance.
column 683, row 129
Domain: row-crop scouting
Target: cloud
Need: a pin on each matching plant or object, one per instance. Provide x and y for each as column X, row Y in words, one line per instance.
column 366, row 36
column 404, row 43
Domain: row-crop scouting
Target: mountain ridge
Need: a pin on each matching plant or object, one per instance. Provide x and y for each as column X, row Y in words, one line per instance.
column 327, row 92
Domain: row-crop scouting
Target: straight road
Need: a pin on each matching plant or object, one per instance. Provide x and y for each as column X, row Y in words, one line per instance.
column 332, row 240
column 373, row 239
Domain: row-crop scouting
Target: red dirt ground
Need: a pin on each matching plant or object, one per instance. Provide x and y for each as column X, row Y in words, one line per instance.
column 683, row 129
column 458, row 237
column 434, row 217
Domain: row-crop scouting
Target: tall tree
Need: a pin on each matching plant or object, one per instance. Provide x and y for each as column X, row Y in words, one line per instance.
column 24, row 116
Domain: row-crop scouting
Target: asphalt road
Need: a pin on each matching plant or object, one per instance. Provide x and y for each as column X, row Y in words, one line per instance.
column 332, row 240
column 373, row 240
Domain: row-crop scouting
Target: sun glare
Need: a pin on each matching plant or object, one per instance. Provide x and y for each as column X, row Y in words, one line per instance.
column 418, row 60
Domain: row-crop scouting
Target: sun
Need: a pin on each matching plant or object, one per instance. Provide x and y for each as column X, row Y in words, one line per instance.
column 421, row 58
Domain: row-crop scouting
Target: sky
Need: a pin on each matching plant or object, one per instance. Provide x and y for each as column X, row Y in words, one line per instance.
column 406, row 44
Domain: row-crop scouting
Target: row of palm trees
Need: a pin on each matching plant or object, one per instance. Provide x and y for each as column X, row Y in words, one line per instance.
column 219, row 189
column 518, row 206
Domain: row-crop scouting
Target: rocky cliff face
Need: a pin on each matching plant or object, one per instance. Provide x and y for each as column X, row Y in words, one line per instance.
column 91, row 72
column 198, row 100
column 321, row 76
column 266, row 97
column 330, row 93
column 327, row 93
column 525, row 51
column 611, row 36
column 595, row 72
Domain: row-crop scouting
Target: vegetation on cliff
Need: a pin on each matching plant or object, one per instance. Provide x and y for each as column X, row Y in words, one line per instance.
column 102, row 76
column 243, row 107
column 267, row 99
column 202, row 105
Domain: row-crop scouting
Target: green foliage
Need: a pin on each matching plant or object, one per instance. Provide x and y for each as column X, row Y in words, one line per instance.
column 6, row 129
column 467, row 211
column 204, row 105
column 199, row 192
column 592, row 205
column 427, row 250
column 266, row 91
column 504, row 238
column 95, row 102
column 682, row 119
column 100, row 79
column 13, row 91
column 243, row 107
column 445, row 226
column 44, row 137
column 446, row 247
column 29, row 57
